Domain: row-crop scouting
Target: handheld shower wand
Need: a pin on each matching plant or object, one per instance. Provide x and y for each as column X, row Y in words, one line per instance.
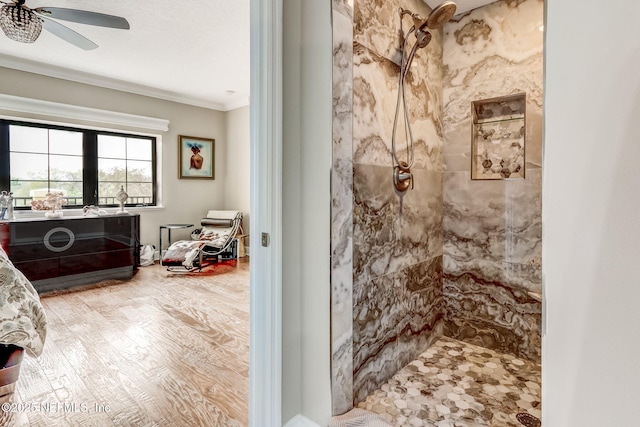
column 402, row 176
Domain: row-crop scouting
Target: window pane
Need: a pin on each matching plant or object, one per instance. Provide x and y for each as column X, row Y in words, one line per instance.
column 65, row 168
column 29, row 166
column 71, row 190
column 65, row 142
column 24, row 189
column 135, row 173
column 40, row 190
column 68, row 188
column 107, row 192
column 44, row 160
column 112, row 170
column 139, row 171
column 139, row 149
column 112, row 146
column 28, row 139
column 140, row 193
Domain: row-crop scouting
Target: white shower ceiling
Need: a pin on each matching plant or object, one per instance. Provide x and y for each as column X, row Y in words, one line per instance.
column 463, row 5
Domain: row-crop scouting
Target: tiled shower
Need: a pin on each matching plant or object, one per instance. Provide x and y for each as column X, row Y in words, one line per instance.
column 452, row 257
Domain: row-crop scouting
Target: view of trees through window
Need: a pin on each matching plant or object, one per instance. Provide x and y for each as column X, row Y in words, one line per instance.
column 46, row 160
column 126, row 162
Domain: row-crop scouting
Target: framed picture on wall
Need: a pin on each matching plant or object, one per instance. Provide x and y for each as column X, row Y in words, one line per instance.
column 196, row 157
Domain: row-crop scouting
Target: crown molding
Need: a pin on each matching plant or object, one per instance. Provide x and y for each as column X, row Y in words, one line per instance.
column 49, row 70
column 67, row 111
column 236, row 104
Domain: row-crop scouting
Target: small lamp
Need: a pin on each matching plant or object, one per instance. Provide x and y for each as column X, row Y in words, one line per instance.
column 122, row 196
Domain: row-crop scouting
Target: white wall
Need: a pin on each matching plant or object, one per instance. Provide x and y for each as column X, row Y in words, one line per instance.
column 291, row 220
column 591, row 221
column 183, row 200
column 316, row 120
column 237, row 182
column 306, row 210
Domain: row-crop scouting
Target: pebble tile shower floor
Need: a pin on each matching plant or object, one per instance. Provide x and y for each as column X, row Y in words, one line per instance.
column 455, row 384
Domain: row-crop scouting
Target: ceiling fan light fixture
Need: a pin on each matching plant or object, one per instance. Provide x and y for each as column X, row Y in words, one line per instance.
column 19, row 23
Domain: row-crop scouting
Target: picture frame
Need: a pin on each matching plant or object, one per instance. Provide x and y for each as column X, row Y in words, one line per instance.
column 196, row 157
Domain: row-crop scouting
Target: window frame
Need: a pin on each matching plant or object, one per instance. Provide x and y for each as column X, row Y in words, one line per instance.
column 89, row 160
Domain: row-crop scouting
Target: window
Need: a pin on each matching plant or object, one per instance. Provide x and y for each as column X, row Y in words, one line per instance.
column 125, row 161
column 87, row 166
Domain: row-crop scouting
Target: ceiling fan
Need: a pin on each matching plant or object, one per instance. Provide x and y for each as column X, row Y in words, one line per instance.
column 24, row 24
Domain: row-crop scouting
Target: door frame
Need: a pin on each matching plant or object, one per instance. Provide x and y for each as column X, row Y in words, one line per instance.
column 265, row 349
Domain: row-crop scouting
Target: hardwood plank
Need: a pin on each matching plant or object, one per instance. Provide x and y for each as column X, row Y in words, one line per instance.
column 162, row 349
column 195, row 358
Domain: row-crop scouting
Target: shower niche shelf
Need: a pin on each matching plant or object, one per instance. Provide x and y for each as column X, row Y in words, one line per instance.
column 498, row 137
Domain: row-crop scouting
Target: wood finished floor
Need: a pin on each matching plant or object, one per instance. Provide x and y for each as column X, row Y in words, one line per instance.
column 163, row 349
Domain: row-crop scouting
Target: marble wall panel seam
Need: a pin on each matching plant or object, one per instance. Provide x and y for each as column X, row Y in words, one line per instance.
column 343, row 7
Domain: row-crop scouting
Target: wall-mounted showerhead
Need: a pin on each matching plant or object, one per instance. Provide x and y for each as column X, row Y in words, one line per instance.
column 436, row 19
column 441, row 15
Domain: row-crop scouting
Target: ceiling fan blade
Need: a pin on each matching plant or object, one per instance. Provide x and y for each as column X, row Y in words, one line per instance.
column 84, row 17
column 67, row 34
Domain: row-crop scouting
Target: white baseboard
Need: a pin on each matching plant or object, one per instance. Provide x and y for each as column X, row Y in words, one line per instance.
column 300, row 421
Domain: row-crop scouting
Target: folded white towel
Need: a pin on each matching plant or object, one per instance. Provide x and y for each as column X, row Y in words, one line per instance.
column 359, row 418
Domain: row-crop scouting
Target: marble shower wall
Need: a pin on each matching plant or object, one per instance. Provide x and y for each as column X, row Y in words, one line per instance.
column 342, row 210
column 387, row 302
column 492, row 229
column 397, row 241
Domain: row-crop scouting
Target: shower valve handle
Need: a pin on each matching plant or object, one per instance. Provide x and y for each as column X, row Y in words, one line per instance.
column 405, row 176
column 402, row 178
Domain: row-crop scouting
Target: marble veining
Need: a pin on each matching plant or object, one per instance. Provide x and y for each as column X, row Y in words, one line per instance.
column 492, row 229
column 342, row 210
column 391, row 233
column 492, row 51
column 396, row 317
column 509, row 80
column 451, row 256
column 422, row 313
column 501, row 28
column 345, row 8
column 398, row 306
column 491, row 223
column 492, row 315
column 377, row 26
column 375, row 91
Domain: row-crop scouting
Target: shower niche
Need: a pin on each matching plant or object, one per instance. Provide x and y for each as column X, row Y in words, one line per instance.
column 498, row 137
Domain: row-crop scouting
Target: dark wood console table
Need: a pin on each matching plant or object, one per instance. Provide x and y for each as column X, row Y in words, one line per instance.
column 60, row 253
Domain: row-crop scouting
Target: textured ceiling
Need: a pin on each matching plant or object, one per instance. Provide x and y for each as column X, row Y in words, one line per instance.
column 194, row 51
column 463, row 5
